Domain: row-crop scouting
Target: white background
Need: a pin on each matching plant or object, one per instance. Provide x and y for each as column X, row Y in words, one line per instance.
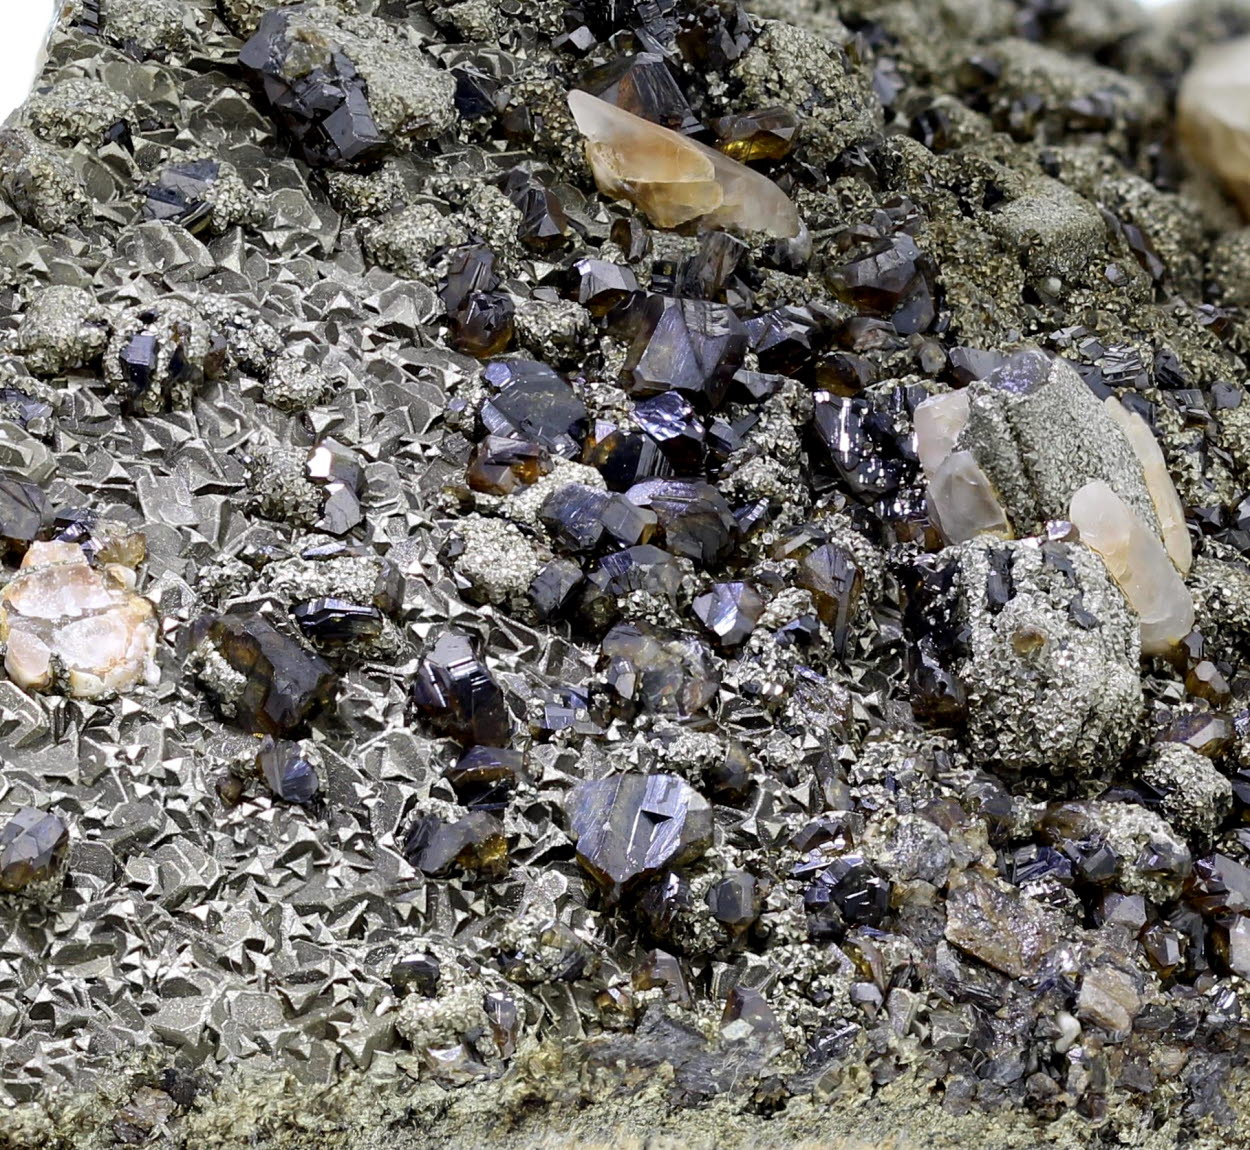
column 23, row 24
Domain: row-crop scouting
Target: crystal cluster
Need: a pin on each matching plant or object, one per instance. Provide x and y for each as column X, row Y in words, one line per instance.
column 622, row 652
column 72, row 627
column 1029, row 443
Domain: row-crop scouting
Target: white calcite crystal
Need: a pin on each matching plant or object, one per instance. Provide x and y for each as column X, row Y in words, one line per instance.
column 674, row 179
column 1213, row 115
column 962, row 499
column 72, row 627
column 1137, row 562
column 1168, row 506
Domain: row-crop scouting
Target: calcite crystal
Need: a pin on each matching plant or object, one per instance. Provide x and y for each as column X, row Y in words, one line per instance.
column 72, row 627
column 1167, row 503
column 1212, row 120
column 675, row 180
column 1137, row 562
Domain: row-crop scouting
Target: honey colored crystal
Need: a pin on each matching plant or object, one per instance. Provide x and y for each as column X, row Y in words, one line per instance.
column 1167, row 503
column 675, row 180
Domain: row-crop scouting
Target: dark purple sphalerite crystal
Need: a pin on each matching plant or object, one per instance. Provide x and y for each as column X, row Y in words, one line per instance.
column 457, row 695
column 287, row 771
column 319, row 98
column 180, row 194
column 535, row 404
column 690, row 346
column 474, row 843
column 631, row 825
column 33, row 845
column 280, row 684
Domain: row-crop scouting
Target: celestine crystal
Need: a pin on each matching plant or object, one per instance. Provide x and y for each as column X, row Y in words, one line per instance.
column 673, row 179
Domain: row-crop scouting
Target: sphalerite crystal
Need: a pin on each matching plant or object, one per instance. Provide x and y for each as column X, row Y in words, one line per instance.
column 730, row 611
column 696, row 521
column 457, row 695
column 485, row 777
column 657, row 670
column 501, row 465
column 33, row 846
column 159, row 354
column 629, row 826
column 287, row 771
column 766, row 134
column 690, row 346
column 306, row 65
column 333, row 621
column 179, row 194
column 536, row 405
column 271, row 683
column 474, row 843
column 642, row 84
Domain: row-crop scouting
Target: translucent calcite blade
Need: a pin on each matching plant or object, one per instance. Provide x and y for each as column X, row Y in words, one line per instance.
column 1137, row 562
column 674, row 179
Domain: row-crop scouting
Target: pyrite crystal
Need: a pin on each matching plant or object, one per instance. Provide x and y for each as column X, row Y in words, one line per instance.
column 676, row 180
column 631, row 825
column 457, row 695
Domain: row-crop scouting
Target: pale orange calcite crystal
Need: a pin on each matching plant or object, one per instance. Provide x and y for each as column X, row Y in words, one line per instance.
column 675, row 180
column 1213, row 115
column 74, row 627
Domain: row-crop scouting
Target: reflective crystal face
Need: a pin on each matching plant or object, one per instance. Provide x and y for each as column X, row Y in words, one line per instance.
column 280, row 684
column 631, row 825
column 457, row 695
column 33, row 845
column 673, row 179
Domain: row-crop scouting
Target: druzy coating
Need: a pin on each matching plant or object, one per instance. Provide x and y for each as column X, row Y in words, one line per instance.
column 631, row 825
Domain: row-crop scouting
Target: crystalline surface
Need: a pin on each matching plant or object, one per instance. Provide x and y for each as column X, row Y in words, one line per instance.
column 631, row 825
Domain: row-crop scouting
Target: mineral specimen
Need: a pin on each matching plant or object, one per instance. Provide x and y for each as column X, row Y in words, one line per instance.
column 630, row 826
column 456, row 693
column 688, row 346
column 70, row 627
column 33, row 847
column 474, row 843
column 287, row 771
column 346, row 90
column 159, row 355
column 676, row 180
column 1137, row 562
column 264, row 680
